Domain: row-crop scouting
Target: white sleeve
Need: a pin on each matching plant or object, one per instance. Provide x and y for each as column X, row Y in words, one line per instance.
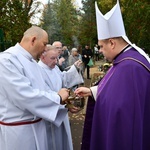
column 72, row 77
column 27, row 96
column 94, row 91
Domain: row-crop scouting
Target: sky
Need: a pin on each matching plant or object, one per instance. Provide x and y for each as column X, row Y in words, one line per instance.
column 79, row 3
column 35, row 20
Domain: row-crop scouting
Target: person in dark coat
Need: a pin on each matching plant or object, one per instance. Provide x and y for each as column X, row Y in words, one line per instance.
column 86, row 55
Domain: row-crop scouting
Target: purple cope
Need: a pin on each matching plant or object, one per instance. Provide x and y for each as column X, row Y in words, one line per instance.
column 120, row 117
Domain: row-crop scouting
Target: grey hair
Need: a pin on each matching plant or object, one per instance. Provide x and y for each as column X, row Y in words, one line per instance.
column 74, row 49
column 56, row 42
column 50, row 47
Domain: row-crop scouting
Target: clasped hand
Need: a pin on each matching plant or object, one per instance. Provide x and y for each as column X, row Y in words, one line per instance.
column 78, row 63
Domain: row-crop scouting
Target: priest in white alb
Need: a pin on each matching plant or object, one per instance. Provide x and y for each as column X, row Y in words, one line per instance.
column 56, row 79
column 25, row 100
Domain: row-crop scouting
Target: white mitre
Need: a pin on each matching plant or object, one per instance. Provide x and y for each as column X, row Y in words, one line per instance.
column 111, row 25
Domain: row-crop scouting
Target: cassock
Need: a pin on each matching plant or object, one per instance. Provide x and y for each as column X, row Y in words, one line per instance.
column 56, row 80
column 24, row 99
column 120, row 117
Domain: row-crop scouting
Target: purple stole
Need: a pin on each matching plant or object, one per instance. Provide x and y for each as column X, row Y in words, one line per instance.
column 103, row 82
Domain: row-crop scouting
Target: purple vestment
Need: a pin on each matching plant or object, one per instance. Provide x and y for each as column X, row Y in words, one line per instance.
column 121, row 117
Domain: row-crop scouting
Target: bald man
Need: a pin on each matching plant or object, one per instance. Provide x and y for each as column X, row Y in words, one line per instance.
column 25, row 99
column 61, row 60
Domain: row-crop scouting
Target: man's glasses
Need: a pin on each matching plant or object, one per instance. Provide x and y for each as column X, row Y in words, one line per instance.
column 59, row 48
column 53, row 58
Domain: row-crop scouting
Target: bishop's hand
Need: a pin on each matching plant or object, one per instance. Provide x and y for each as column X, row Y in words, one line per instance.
column 83, row 91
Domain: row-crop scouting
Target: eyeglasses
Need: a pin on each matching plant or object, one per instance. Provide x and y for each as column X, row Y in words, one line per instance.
column 53, row 58
column 59, row 48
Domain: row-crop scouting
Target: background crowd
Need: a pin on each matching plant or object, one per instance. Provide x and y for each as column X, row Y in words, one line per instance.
column 36, row 80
